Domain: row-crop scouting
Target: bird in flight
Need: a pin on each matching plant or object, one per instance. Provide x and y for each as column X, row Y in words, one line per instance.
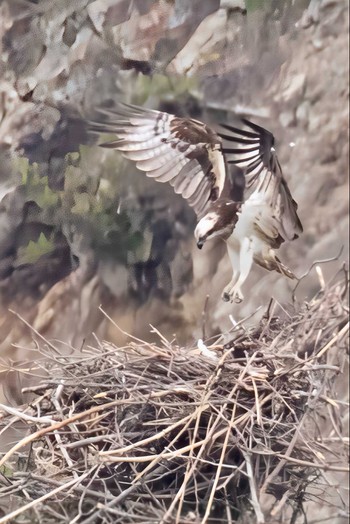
column 238, row 194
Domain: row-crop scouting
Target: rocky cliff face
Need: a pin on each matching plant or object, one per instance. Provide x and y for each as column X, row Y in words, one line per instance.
column 81, row 228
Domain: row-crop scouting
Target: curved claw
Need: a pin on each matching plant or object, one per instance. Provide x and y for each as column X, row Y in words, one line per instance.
column 238, row 298
column 226, row 297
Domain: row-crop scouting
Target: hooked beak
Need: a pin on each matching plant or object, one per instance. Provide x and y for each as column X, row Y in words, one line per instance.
column 200, row 243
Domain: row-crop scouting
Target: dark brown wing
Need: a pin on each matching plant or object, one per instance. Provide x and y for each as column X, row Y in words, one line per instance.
column 182, row 151
column 256, row 155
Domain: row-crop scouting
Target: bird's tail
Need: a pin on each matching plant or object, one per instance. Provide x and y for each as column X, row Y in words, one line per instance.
column 273, row 263
column 284, row 270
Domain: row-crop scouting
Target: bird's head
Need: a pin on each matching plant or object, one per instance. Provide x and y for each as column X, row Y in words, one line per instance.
column 206, row 228
column 218, row 222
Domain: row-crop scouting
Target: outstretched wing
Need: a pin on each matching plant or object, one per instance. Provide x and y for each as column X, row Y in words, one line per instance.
column 182, row 151
column 256, row 155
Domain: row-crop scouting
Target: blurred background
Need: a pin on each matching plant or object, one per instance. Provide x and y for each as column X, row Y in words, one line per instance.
column 81, row 228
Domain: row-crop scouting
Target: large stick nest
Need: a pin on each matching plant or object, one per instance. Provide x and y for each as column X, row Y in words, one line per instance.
column 246, row 431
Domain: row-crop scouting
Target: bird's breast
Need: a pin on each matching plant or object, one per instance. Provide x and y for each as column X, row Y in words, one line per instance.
column 249, row 217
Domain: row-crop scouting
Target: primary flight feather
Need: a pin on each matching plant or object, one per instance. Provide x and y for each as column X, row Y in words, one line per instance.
column 248, row 204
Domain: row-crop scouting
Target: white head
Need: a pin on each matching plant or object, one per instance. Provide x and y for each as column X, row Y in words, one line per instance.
column 207, row 228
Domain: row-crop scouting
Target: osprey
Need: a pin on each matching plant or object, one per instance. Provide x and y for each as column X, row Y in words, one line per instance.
column 247, row 204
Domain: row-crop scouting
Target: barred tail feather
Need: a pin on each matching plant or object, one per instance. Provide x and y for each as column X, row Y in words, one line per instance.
column 273, row 263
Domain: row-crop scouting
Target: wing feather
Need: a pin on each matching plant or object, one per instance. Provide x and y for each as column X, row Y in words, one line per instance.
column 128, row 146
column 182, row 151
column 185, row 176
column 201, row 194
column 193, row 183
column 149, row 164
column 163, row 170
column 169, row 173
column 145, row 154
column 257, row 157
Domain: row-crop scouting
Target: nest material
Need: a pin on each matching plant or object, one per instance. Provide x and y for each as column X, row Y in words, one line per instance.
column 242, row 432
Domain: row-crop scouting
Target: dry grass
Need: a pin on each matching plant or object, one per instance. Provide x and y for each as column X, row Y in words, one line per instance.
column 245, row 431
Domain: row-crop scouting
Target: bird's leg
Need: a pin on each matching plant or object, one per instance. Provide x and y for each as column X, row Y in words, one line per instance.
column 226, row 296
column 245, row 264
column 234, row 258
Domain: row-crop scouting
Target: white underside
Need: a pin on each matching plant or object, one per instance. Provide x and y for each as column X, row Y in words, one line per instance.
column 244, row 243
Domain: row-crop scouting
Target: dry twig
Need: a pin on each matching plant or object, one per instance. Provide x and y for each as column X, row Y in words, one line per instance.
column 160, row 433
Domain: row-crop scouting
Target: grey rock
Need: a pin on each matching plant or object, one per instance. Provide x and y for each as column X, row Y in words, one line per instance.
column 287, row 118
column 302, row 112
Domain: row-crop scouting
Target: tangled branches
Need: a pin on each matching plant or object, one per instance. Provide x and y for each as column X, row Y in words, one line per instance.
column 243, row 432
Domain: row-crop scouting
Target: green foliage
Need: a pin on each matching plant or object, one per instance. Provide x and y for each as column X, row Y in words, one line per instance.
column 140, row 243
column 253, row 5
column 270, row 6
column 73, row 158
column 88, row 205
column 82, row 204
column 93, row 201
column 6, row 471
column 115, row 235
column 161, row 86
column 36, row 186
column 30, row 253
